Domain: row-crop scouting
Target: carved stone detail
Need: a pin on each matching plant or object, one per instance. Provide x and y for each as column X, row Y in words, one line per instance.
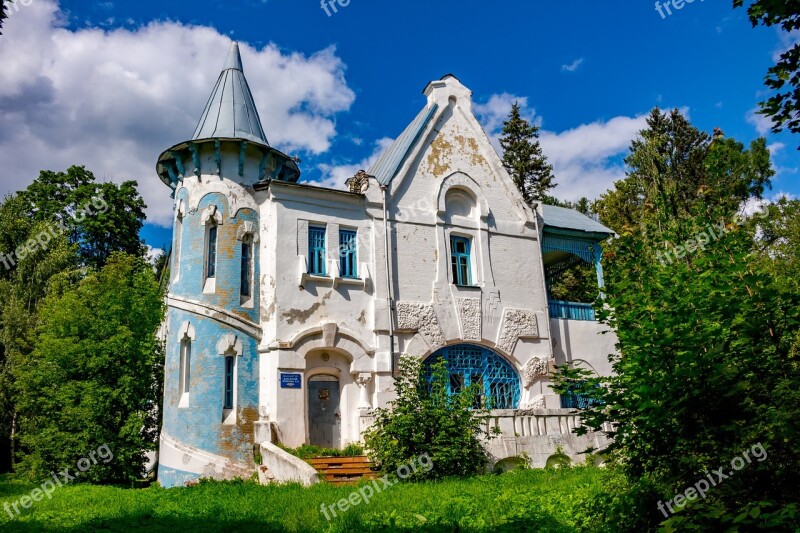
column 517, row 323
column 536, row 403
column 359, row 183
column 228, row 343
column 211, row 212
column 469, row 315
column 535, row 369
column 420, row 317
column 247, row 228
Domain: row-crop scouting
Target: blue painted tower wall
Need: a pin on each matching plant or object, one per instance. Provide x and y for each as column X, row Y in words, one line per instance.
column 200, row 424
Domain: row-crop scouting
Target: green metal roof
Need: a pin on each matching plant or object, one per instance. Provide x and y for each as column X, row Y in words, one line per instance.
column 387, row 166
column 570, row 219
column 231, row 112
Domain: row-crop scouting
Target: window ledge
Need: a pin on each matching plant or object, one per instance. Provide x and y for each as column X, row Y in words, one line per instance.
column 358, row 282
column 229, row 417
column 210, row 286
column 184, row 401
column 316, row 277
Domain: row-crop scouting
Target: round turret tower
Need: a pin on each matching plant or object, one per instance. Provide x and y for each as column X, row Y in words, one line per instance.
column 211, row 374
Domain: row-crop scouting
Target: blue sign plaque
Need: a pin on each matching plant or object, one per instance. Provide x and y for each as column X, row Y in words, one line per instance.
column 291, row 381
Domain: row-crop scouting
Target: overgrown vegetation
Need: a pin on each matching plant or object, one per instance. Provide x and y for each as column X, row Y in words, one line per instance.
column 528, row 500
column 77, row 321
column 308, row 451
column 425, row 419
column 708, row 337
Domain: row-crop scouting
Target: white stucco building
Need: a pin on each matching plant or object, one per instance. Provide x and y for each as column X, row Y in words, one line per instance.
column 289, row 303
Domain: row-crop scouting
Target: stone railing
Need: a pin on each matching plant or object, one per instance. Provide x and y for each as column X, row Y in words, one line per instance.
column 532, row 422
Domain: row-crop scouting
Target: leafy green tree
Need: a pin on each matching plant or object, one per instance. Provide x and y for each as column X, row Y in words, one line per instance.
column 578, row 283
column 673, row 165
column 523, row 157
column 89, row 380
column 425, row 419
column 101, row 218
column 783, row 79
column 708, row 338
column 3, row 14
column 44, row 236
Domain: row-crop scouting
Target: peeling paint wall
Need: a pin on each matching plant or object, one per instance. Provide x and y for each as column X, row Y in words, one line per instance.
column 336, row 327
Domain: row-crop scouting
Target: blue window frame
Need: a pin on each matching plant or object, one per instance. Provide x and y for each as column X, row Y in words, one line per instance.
column 498, row 382
column 316, row 251
column 247, row 268
column 211, row 253
column 460, row 258
column 572, row 399
column 348, row 246
column 230, row 366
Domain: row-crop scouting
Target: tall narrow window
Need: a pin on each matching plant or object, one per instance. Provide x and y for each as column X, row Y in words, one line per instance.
column 230, row 368
column 348, row 246
column 176, row 249
column 211, row 252
column 247, row 268
column 185, row 379
column 316, row 251
column 460, row 257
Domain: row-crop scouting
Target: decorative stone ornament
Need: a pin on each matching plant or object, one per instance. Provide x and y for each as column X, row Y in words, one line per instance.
column 535, row 369
column 359, row 184
column 211, row 213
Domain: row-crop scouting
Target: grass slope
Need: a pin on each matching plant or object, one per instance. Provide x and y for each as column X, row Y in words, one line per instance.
column 529, row 500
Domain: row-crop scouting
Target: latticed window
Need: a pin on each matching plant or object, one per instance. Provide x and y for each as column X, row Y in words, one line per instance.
column 468, row 364
column 348, row 243
column 316, row 250
column 459, row 253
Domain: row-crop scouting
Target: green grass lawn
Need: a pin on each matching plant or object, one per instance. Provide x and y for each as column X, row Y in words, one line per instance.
column 529, row 500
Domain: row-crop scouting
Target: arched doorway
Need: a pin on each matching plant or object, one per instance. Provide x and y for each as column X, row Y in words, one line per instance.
column 468, row 364
column 324, row 417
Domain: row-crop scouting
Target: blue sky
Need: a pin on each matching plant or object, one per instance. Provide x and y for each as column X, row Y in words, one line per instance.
column 129, row 79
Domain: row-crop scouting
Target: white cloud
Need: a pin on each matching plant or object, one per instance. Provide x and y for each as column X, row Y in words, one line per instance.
column 113, row 100
column 335, row 176
column 761, row 123
column 572, row 67
column 586, row 159
column 775, row 147
column 786, row 40
column 152, row 254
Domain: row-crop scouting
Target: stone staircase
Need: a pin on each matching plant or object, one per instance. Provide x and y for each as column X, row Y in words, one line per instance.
column 343, row 470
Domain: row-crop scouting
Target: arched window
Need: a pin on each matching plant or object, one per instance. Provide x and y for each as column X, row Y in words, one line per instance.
column 247, row 269
column 469, row 364
column 230, row 375
column 211, row 250
column 185, row 379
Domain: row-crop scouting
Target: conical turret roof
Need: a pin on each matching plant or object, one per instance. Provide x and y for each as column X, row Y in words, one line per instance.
column 231, row 112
